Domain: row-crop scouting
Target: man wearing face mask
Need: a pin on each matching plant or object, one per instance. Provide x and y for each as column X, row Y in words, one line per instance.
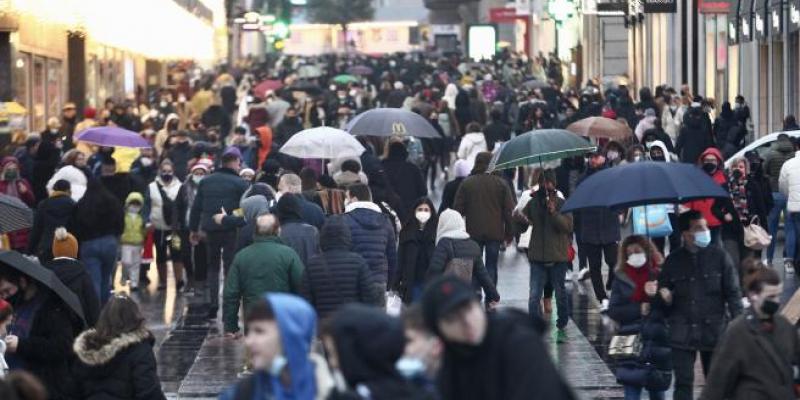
column 760, row 347
column 700, row 288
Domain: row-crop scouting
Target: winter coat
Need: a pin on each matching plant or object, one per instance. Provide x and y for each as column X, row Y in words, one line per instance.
column 337, row 276
column 552, row 233
column 44, row 164
column 652, row 370
column 73, row 274
column 789, row 183
column 156, row 204
column 782, row 150
column 222, row 189
column 471, row 145
column 107, row 218
column 302, row 238
column 449, row 193
column 75, row 176
column 124, row 368
column 705, row 296
column 448, row 249
column 596, row 225
column 267, row 265
column 695, row 136
column 496, row 131
column 707, row 207
column 373, row 238
column 134, row 232
column 671, row 121
column 750, row 364
column 404, row 177
column 51, row 213
column 485, row 201
column 413, row 256
column 183, row 203
column 180, row 154
column 511, row 363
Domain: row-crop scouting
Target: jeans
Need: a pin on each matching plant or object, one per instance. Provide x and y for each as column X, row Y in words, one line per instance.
column 100, row 257
column 635, row 393
column 793, row 221
column 773, row 223
column 555, row 274
column 221, row 247
column 595, row 254
column 683, row 364
column 492, row 248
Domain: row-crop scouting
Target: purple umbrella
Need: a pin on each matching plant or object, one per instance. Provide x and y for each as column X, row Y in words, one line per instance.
column 360, row 70
column 110, row 136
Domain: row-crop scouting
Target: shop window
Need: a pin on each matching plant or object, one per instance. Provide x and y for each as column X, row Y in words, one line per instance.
column 22, row 73
column 38, row 107
column 91, row 82
column 55, row 90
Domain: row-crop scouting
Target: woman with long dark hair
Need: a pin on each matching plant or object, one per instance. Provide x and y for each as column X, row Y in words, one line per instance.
column 116, row 357
column 417, row 242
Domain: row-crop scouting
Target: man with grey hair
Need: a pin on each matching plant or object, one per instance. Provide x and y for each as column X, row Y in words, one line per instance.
column 265, row 266
column 310, row 213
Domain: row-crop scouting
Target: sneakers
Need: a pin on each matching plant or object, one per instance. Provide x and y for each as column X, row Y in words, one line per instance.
column 604, row 306
column 788, row 266
column 583, row 274
column 561, row 336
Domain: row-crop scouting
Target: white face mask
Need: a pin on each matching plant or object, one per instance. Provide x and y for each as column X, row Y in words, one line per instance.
column 612, row 155
column 197, row 178
column 637, row 260
column 146, row 161
column 134, row 209
column 423, row 216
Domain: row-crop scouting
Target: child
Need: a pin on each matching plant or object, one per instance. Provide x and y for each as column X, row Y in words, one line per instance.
column 132, row 239
column 6, row 315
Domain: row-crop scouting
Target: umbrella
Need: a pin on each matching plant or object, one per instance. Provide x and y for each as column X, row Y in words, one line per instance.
column 540, row 146
column 600, row 127
column 309, row 71
column 645, row 183
column 322, row 142
column 265, row 86
column 46, row 277
column 110, row 136
column 14, row 214
column 359, row 70
column 345, row 79
column 535, row 84
column 305, row 86
column 390, row 122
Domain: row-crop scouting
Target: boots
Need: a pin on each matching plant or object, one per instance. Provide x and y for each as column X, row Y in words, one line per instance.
column 178, row 270
column 162, row 275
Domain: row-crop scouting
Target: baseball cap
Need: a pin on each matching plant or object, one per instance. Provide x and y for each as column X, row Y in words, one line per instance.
column 443, row 296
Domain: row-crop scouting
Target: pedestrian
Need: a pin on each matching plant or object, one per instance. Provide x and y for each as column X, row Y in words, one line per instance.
column 422, row 356
column 311, row 213
column 461, row 171
column 456, row 253
column 337, row 275
column 373, row 235
column 73, row 274
column 180, row 153
column 472, row 143
column 658, row 153
column 789, row 185
column 98, row 222
column 748, row 204
column 115, row 358
column 417, row 240
column 132, row 240
column 14, row 185
column 487, row 355
column 159, row 206
column 485, row 200
column 74, row 170
column 781, row 151
column 26, row 154
column 647, row 122
column 193, row 255
column 51, row 213
column 548, row 252
column 404, row 177
column 497, row 131
column 756, row 354
column 637, row 309
column 613, row 153
column 363, row 346
column 245, row 221
column 657, row 134
column 219, row 192
column 6, row 316
column 300, row 236
column 265, row 266
column 695, row 134
column 48, row 155
column 280, row 331
column 711, row 163
column 700, row 287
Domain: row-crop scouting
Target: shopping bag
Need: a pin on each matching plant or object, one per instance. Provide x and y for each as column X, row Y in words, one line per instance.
column 653, row 223
column 394, row 304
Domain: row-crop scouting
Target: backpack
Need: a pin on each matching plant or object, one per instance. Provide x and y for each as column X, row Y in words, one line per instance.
column 460, row 267
column 167, row 205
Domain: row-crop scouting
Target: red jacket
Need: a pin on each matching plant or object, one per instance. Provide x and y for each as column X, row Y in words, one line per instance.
column 704, row 206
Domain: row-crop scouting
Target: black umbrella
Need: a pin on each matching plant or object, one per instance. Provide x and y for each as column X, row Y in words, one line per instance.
column 14, row 214
column 305, row 86
column 46, row 277
column 391, row 122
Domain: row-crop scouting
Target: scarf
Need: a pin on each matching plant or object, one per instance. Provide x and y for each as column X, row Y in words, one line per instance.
column 640, row 276
column 738, row 191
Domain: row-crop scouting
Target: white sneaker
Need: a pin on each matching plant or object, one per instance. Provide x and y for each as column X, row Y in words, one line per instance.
column 583, row 274
column 745, row 302
column 788, row 266
column 604, row 306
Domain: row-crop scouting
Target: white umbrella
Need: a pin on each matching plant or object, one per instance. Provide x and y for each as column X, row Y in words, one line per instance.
column 322, row 142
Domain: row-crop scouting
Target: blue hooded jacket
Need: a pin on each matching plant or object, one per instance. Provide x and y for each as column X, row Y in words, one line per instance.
column 297, row 325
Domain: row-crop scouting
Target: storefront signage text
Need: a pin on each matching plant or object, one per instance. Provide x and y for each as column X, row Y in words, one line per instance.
column 660, row 6
column 714, row 6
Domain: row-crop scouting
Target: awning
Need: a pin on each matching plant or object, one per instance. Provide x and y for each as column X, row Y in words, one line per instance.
column 794, row 15
column 746, row 20
column 775, row 18
column 733, row 23
column 760, row 16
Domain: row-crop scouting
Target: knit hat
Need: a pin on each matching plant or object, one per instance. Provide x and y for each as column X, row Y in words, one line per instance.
column 443, row 296
column 204, row 164
column 64, row 244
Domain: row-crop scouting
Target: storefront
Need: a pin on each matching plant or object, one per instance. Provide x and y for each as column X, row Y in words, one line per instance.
column 793, row 56
column 714, row 55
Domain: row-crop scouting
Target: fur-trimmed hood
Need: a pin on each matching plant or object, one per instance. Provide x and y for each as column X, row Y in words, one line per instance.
column 87, row 351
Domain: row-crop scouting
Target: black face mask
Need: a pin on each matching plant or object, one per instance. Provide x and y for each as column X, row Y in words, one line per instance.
column 736, row 174
column 769, row 307
column 658, row 158
column 710, row 168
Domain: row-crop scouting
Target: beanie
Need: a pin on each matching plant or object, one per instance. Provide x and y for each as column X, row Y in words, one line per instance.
column 64, row 244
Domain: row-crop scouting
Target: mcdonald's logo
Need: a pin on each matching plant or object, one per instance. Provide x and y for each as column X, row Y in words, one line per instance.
column 398, row 128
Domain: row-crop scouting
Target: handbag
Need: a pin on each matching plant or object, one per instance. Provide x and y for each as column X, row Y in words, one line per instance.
column 652, row 220
column 625, row 347
column 755, row 237
column 459, row 266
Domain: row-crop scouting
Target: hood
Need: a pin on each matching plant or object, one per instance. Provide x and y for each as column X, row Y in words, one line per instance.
column 663, row 147
column 254, row 206
column 368, row 343
column 169, row 118
column 451, row 225
column 335, row 235
column 92, row 353
column 476, row 138
column 694, row 118
column 710, row 151
column 369, row 216
column 462, row 168
column 289, row 208
column 784, row 146
column 398, row 152
column 297, row 323
column 134, row 196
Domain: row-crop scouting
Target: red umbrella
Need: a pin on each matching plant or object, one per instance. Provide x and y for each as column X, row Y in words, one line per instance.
column 265, row 86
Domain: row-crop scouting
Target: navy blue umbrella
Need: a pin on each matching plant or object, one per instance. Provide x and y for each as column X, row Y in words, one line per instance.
column 643, row 183
column 391, row 122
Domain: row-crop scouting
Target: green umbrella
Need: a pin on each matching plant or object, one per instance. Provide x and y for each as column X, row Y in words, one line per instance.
column 539, row 146
column 345, row 79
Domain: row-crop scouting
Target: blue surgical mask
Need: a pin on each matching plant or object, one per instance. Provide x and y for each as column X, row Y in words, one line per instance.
column 702, row 239
column 278, row 363
column 410, row 367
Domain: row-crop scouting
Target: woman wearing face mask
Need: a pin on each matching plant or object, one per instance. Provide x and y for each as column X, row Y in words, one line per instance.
column 160, row 199
column 710, row 161
column 614, row 153
column 194, row 257
column 12, row 184
column 634, row 154
column 759, row 348
column 638, row 310
column 417, row 242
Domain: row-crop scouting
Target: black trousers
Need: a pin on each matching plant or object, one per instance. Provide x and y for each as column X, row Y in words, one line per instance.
column 683, row 365
column 221, row 247
column 595, row 253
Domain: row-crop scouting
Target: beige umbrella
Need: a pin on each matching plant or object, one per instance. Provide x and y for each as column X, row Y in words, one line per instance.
column 601, row 127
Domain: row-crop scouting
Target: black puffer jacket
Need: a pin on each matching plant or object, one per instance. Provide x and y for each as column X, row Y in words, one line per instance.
column 413, row 256
column 337, row 276
column 695, row 136
column 52, row 212
column 374, row 239
column 124, row 368
column 74, row 275
column 222, row 189
column 404, row 177
column 705, row 296
column 448, row 249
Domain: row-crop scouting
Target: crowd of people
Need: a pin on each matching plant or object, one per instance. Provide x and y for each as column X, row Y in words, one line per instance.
column 310, row 254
